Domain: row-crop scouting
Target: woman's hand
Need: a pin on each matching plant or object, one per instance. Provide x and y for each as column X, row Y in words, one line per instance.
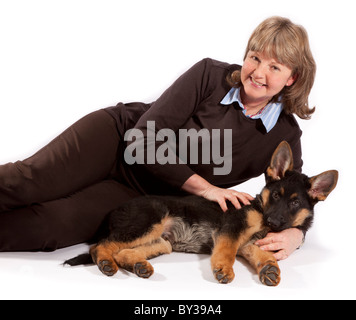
column 282, row 243
column 220, row 196
column 199, row 186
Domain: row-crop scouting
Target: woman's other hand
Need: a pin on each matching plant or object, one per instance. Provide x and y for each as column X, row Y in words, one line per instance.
column 283, row 244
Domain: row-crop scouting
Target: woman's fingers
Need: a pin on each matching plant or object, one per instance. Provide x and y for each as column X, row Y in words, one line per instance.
column 221, row 196
column 236, row 198
column 283, row 243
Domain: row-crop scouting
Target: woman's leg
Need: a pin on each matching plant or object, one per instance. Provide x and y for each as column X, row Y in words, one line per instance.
column 64, row 222
column 81, row 156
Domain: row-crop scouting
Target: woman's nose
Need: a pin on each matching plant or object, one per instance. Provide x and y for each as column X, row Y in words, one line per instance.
column 259, row 72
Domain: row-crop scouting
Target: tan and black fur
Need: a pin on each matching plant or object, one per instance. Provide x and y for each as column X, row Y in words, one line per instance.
column 154, row 225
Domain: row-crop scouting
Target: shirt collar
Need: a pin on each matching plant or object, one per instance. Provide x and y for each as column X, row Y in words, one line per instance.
column 269, row 115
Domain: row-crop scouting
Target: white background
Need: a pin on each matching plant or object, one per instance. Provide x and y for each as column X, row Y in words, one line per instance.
column 60, row 60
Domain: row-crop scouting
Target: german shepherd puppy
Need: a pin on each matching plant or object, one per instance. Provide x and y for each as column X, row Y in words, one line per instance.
column 150, row 226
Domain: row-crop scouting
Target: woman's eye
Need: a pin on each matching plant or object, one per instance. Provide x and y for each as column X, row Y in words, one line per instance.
column 274, row 68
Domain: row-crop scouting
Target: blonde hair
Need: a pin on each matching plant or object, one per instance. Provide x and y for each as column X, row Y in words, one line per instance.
column 288, row 43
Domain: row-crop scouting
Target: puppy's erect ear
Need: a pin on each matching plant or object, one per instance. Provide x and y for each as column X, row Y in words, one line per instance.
column 323, row 184
column 281, row 162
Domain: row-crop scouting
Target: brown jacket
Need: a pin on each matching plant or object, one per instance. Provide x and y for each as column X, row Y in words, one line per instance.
column 193, row 102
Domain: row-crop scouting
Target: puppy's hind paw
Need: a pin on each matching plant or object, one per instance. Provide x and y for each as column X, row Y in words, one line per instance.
column 143, row 269
column 107, row 267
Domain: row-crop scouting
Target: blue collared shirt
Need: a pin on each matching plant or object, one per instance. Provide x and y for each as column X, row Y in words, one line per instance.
column 269, row 115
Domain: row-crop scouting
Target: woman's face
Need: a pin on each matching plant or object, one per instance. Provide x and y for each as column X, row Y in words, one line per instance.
column 263, row 78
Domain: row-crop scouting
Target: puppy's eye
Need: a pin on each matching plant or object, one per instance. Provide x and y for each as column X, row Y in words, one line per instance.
column 294, row 203
column 275, row 195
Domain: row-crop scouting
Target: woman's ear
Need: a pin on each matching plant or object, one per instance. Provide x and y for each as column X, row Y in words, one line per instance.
column 292, row 80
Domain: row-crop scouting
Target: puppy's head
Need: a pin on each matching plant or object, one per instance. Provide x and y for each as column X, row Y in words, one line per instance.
column 289, row 197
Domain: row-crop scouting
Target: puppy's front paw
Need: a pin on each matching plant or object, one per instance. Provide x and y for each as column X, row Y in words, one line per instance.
column 224, row 274
column 270, row 275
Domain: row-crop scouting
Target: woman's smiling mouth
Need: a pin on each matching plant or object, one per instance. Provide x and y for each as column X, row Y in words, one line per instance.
column 256, row 83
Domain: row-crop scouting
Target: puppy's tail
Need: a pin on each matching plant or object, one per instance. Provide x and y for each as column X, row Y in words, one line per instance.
column 84, row 259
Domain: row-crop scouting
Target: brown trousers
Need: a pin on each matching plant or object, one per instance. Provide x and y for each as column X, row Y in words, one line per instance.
column 59, row 196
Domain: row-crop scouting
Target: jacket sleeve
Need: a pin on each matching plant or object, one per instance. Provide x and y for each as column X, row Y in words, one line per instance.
column 171, row 111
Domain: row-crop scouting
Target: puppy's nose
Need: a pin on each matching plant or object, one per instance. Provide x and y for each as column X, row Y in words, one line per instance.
column 274, row 223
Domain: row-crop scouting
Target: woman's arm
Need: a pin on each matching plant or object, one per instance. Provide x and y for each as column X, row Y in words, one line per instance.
column 171, row 111
column 199, row 186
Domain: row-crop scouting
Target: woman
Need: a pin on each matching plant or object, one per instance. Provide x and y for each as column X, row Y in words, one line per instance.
column 59, row 196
